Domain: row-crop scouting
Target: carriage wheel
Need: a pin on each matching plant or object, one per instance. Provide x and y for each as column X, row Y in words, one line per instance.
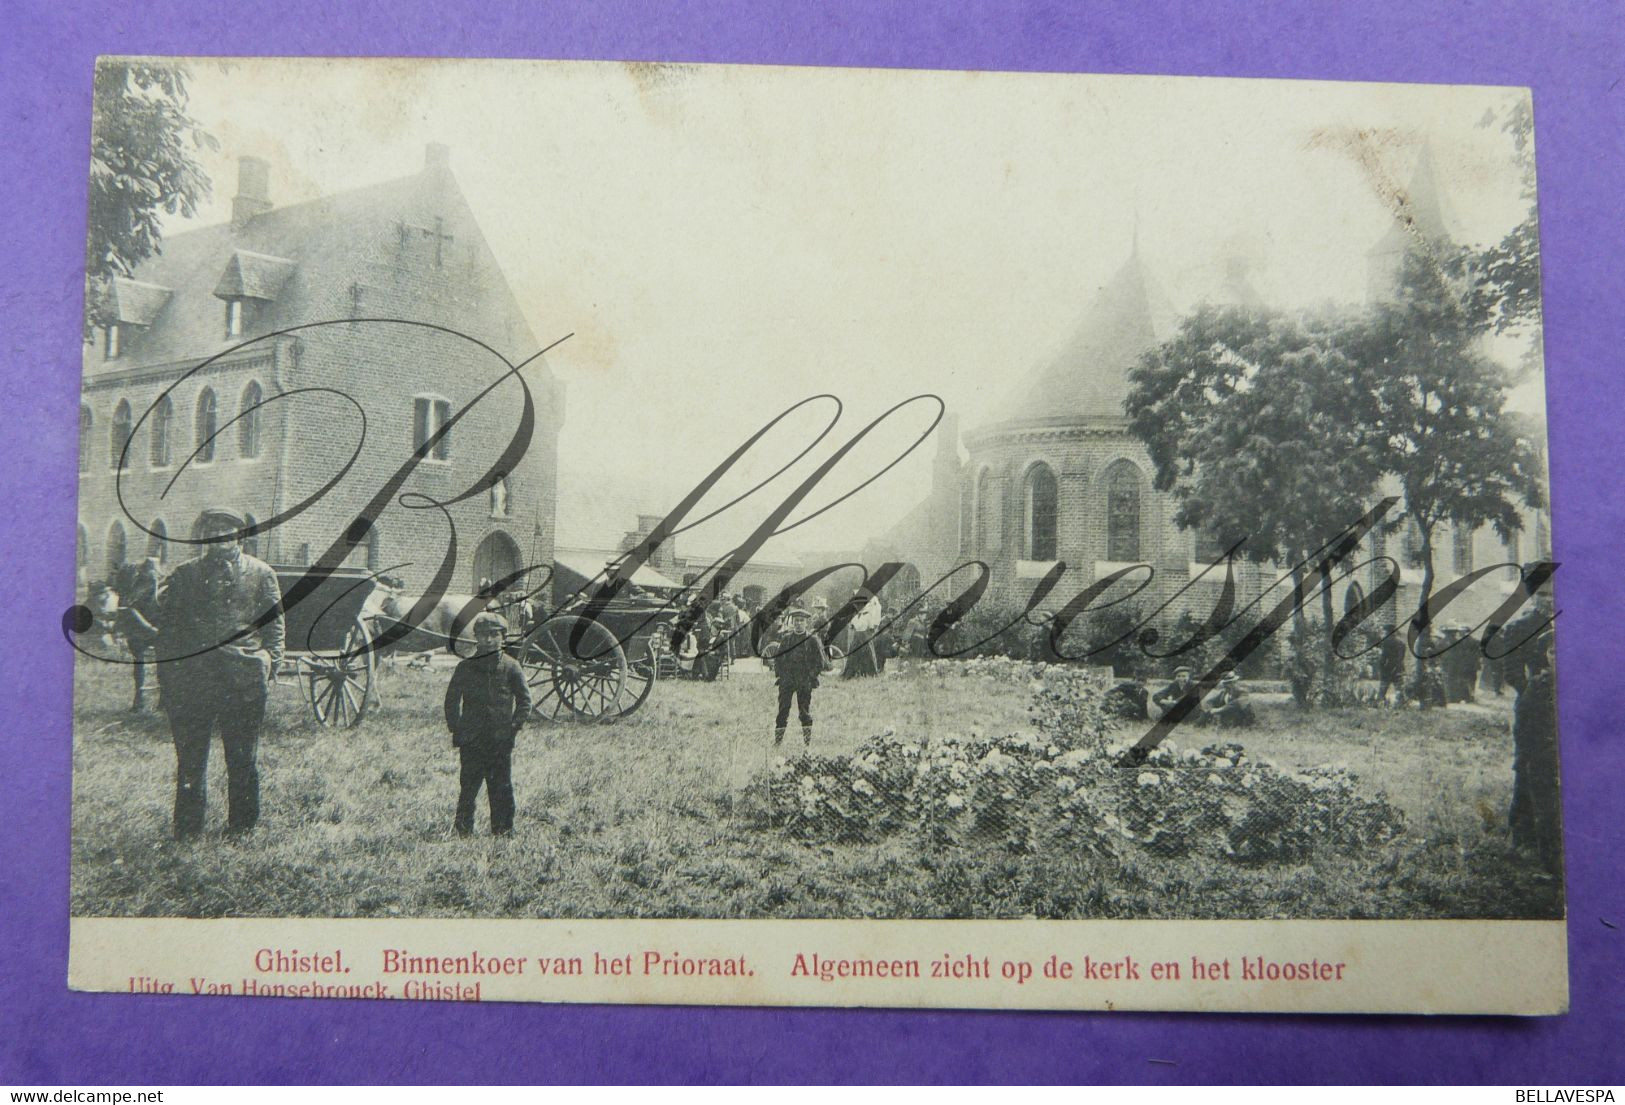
column 570, row 679
column 340, row 685
column 642, row 672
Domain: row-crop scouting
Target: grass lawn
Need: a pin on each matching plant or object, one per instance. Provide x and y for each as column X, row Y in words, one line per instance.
column 645, row 818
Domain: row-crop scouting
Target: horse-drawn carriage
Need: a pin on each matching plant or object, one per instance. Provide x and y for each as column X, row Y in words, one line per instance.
column 589, row 660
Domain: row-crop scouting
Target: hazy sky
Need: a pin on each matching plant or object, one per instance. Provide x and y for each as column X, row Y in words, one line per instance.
column 724, row 241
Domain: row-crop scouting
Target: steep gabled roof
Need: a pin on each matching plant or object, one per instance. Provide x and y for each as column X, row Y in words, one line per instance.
column 303, row 261
column 136, row 303
column 1420, row 212
column 1089, row 377
column 252, row 275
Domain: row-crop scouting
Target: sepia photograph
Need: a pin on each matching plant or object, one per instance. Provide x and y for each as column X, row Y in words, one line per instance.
column 523, row 491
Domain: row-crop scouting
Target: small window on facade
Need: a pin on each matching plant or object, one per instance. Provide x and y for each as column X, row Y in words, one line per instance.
column 967, row 506
column 110, row 350
column 1123, row 514
column 118, row 444
column 1040, row 513
column 499, row 498
column 429, row 417
column 234, row 318
column 248, row 422
column 116, row 551
column 987, row 515
column 1462, row 550
column 163, row 415
column 1511, row 546
column 207, row 419
column 86, row 424
column 251, row 545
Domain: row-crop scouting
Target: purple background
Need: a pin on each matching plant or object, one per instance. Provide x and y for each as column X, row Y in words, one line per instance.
column 1573, row 55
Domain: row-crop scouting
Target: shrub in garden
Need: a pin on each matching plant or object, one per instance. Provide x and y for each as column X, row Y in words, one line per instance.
column 1065, row 788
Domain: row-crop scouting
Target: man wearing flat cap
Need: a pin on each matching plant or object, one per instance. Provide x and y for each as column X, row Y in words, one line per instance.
column 1165, row 699
column 487, row 702
column 219, row 641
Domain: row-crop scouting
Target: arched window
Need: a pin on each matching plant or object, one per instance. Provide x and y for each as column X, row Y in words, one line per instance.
column 248, row 422
column 85, row 423
column 967, row 515
column 1462, row 549
column 207, row 419
column 157, row 542
column 987, row 515
column 1510, row 545
column 163, row 416
column 116, row 555
column 1123, row 512
column 496, row 558
column 1353, row 597
column 499, row 498
column 120, row 438
column 1039, row 513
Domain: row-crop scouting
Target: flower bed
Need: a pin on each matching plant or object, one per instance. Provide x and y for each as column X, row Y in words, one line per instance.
column 1067, row 787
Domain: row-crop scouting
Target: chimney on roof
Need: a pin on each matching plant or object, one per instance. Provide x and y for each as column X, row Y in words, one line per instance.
column 436, row 155
column 253, row 190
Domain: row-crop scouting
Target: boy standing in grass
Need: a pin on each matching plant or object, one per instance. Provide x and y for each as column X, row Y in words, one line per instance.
column 486, row 703
column 798, row 659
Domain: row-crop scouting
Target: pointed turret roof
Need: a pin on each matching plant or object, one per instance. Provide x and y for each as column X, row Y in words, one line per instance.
column 1089, row 377
column 1420, row 212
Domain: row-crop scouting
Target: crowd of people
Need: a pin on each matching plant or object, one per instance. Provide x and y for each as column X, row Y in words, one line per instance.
column 216, row 688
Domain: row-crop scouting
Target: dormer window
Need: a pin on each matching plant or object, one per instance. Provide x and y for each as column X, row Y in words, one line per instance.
column 250, row 284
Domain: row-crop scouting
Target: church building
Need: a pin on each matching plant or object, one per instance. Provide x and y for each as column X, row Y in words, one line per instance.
column 1057, row 477
column 336, row 337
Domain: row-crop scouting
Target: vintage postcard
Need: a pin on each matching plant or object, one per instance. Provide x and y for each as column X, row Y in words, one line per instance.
column 700, row 534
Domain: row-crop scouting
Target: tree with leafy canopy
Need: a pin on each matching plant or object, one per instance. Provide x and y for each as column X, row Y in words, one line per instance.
column 143, row 165
column 1444, row 433
column 1259, row 425
column 1508, row 290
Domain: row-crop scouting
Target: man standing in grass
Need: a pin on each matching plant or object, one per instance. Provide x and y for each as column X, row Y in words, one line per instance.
column 798, row 659
column 219, row 640
column 486, row 703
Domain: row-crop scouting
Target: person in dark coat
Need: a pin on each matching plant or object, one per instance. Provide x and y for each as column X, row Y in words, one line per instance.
column 1492, row 664
column 138, row 587
column 1164, row 699
column 1391, row 666
column 798, row 658
column 487, row 702
column 1227, row 706
column 1534, row 818
column 220, row 638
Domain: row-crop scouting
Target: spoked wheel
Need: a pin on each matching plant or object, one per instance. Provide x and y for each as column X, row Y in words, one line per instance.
column 642, row 672
column 576, row 670
column 339, row 684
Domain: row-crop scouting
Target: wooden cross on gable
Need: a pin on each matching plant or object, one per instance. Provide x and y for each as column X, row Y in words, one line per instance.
column 437, row 232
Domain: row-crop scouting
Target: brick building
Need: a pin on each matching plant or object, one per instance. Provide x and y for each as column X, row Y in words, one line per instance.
column 271, row 417
column 1057, row 477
